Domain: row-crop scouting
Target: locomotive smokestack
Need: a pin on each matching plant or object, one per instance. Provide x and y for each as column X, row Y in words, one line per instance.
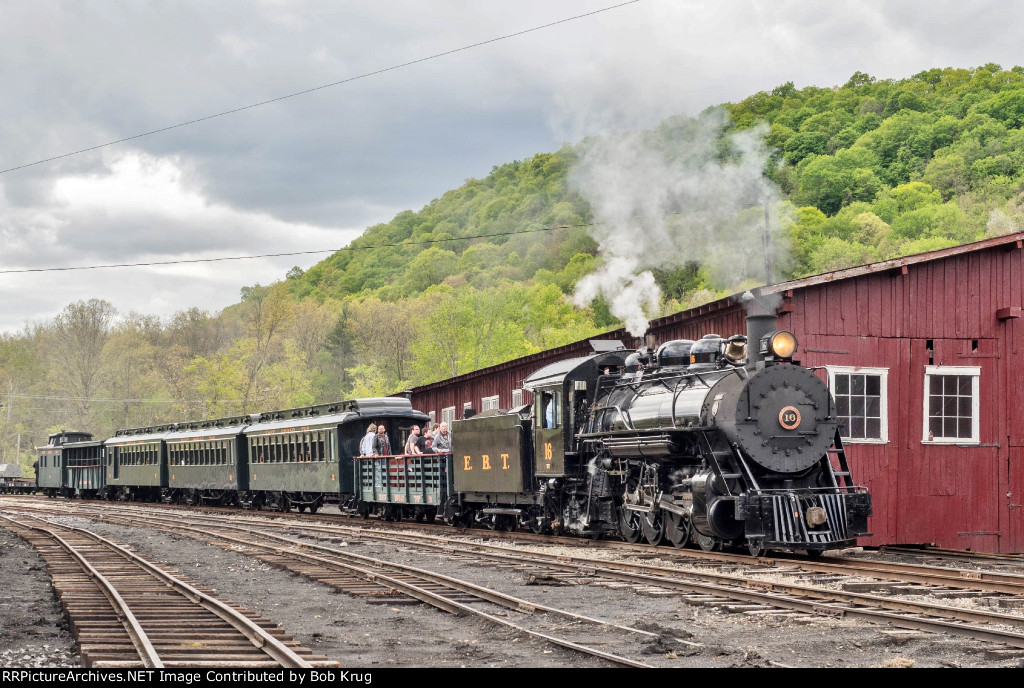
column 757, row 327
column 761, row 320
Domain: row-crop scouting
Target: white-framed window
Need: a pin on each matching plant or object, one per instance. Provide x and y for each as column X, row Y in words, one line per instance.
column 951, row 405
column 448, row 415
column 433, row 417
column 488, row 403
column 517, row 398
column 862, row 403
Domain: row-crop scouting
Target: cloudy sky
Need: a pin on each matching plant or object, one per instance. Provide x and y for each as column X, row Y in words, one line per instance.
column 311, row 172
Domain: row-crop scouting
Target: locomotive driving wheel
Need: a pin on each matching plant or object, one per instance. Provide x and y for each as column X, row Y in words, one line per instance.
column 677, row 529
column 629, row 525
column 653, row 526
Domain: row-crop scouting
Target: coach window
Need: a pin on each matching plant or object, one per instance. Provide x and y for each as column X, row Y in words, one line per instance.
column 862, row 401
column 951, row 403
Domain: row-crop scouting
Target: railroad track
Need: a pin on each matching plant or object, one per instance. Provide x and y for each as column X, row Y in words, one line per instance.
column 731, row 591
column 930, row 574
column 942, row 553
column 127, row 612
column 390, row 583
column 736, row 590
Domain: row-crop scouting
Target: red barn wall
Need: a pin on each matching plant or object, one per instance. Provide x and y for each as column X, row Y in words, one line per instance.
column 959, row 496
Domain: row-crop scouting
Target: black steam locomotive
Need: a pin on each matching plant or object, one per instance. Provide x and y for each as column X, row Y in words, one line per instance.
column 716, row 442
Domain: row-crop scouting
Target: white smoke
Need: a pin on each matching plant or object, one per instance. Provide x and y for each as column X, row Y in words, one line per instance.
column 682, row 192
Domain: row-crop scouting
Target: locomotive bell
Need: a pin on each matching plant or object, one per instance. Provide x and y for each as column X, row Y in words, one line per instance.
column 736, row 349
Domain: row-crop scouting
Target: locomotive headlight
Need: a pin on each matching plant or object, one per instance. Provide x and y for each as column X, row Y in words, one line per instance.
column 781, row 344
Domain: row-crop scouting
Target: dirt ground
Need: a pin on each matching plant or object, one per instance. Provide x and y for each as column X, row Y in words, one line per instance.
column 359, row 633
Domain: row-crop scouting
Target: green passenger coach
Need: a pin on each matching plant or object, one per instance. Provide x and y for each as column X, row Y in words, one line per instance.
column 303, row 457
column 137, row 464
column 207, row 462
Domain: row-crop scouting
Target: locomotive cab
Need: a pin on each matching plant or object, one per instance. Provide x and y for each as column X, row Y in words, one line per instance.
column 561, row 403
column 563, row 395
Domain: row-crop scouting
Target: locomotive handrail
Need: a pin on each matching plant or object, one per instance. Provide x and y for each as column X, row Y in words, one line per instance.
column 626, row 420
column 679, row 389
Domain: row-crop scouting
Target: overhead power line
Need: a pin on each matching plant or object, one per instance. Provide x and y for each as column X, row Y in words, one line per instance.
column 371, row 247
column 321, row 87
column 45, row 397
column 298, row 253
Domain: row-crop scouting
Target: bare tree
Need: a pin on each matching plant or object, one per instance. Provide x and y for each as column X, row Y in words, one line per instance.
column 195, row 332
column 81, row 331
column 312, row 324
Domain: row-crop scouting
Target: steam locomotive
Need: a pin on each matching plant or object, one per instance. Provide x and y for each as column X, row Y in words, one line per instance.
column 716, row 442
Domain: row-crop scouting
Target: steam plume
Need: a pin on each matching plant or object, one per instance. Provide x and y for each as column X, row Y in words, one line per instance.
column 685, row 191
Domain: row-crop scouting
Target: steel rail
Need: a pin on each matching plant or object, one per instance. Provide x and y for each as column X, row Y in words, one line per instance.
column 926, row 574
column 781, row 595
column 966, row 579
column 944, row 552
column 770, row 593
column 273, row 647
column 776, row 594
column 426, row 596
column 140, row 640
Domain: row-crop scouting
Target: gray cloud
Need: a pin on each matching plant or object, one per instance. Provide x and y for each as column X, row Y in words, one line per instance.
column 311, row 169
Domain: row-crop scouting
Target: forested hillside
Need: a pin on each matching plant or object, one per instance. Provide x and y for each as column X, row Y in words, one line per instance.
column 869, row 170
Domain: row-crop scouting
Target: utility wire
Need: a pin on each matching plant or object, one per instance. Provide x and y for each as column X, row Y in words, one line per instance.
column 300, row 253
column 322, row 87
column 44, row 397
column 371, row 247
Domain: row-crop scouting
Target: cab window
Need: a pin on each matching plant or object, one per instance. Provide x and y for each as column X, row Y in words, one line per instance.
column 549, row 408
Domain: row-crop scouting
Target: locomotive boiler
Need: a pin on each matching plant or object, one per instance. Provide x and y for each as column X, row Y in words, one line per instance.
column 714, row 442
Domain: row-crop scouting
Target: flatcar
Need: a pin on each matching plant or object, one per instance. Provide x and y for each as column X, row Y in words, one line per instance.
column 12, row 482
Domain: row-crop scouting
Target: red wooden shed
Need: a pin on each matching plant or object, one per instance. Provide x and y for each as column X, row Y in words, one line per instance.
column 923, row 354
